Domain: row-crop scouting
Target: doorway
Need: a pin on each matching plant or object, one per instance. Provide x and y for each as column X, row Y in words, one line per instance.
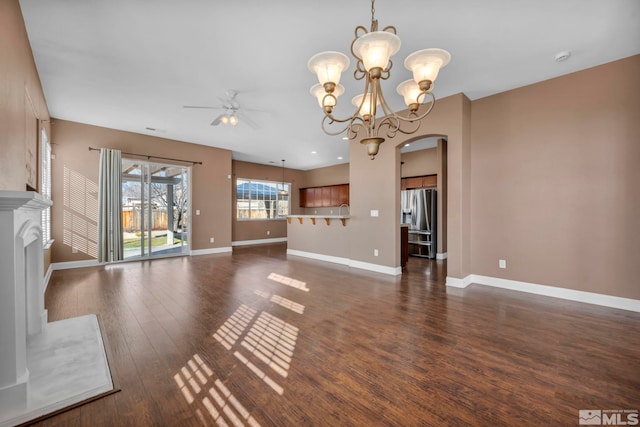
column 155, row 209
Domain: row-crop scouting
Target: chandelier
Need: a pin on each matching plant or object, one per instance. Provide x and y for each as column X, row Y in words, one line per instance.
column 373, row 50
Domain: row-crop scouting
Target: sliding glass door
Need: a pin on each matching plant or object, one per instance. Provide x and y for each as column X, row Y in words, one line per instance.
column 155, row 207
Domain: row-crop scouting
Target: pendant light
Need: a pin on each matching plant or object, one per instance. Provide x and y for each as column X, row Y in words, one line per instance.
column 283, row 192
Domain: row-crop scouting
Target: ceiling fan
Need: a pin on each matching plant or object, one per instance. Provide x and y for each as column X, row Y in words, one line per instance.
column 232, row 112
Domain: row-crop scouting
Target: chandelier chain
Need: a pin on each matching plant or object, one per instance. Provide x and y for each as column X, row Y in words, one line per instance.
column 373, row 10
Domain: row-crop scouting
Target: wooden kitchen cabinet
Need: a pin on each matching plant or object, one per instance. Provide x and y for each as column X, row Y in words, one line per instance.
column 419, row 182
column 327, row 196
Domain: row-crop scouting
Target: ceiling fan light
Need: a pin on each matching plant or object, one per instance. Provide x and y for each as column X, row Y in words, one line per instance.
column 224, row 119
column 425, row 64
column 328, row 66
column 233, row 120
column 376, row 48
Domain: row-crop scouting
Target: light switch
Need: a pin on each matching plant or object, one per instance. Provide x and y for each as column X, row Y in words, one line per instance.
column 374, row 212
column 197, row 211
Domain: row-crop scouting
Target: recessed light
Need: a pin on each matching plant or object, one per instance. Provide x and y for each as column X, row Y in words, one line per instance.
column 345, row 138
column 314, row 152
column 340, row 158
column 407, row 145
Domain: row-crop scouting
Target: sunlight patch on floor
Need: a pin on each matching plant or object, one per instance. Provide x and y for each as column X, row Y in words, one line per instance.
column 221, row 405
column 281, row 301
column 272, row 340
column 288, row 281
column 232, row 329
column 264, row 377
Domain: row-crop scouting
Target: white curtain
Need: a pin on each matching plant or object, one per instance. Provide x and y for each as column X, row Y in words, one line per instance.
column 110, row 206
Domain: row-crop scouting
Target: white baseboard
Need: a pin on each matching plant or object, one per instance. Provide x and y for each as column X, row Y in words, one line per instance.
column 394, row 271
column 454, row 282
column 441, row 256
column 210, row 251
column 550, row 291
column 320, row 257
column 259, row 241
column 74, row 264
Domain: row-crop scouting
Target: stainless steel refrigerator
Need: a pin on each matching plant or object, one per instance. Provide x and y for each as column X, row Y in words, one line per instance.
column 419, row 209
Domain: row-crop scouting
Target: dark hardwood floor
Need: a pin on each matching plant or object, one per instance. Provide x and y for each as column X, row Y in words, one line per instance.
column 259, row 338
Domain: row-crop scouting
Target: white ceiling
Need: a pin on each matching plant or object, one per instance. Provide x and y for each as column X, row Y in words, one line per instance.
column 133, row 64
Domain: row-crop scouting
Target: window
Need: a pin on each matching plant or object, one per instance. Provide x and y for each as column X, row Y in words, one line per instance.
column 45, row 186
column 257, row 200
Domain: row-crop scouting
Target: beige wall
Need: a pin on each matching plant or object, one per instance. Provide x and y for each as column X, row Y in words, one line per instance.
column 421, row 162
column 22, row 104
column 23, row 110
column 375, row 185
column 257, row 230
column 555, row 181
column 331, row 175
column 75, row 177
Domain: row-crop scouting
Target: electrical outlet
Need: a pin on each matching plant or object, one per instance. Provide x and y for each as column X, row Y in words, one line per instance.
column 211, row 240
column 375, row 252
column 74, row 250
column 268, row 232
column 502, row 263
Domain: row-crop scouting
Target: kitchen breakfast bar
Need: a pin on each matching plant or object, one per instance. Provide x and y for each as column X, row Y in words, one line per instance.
column 324, row 237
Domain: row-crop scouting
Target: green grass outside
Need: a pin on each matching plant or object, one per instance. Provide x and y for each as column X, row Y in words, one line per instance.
column 155, row 241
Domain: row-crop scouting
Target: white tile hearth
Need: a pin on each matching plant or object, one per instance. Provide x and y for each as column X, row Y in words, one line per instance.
column 67, row 365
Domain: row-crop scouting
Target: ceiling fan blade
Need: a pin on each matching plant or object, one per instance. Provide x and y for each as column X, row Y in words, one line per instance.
column 217, row 120
column 247, row 120
column 202, row 106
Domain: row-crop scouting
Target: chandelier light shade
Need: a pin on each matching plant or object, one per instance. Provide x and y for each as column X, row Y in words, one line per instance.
column 326, row 100
column 376, row 48
column 366, row 107
column 410, row 91
column 425, row 65
column 329, row 66
column 373, row 119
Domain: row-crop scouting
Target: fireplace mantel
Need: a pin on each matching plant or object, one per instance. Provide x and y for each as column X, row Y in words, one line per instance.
column 22, row 312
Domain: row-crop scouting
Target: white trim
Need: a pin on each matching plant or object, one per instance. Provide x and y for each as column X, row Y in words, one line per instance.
column 549, row 291
column 259, row 241
column 454, row 282
column 320, row 257
column 394, row 271
column 563, row 293
column 442, row 256
column 47, row 277
column 74, row 264
column 210, row 251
